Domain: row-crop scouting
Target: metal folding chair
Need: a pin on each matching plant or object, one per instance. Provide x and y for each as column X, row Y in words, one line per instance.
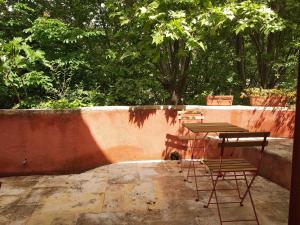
column 189, row 116
column 235, row 169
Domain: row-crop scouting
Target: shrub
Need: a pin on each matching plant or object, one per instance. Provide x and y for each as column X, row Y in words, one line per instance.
column 257, row 92
column 62, row 104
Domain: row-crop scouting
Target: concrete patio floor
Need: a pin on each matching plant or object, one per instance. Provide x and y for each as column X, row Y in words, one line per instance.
column 128, row 194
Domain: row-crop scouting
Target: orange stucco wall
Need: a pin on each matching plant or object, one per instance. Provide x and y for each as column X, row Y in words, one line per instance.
column 70, row 141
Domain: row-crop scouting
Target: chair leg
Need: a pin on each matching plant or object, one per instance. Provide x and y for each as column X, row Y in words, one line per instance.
column 195, row 176
column 218, row 207
column 242, row 198
column 237, row 186
column 250, row 195
column 222, row 175
column 182, row 157
column 188, row 173
column 190, row 164
column 248, row 186
column 214, row 183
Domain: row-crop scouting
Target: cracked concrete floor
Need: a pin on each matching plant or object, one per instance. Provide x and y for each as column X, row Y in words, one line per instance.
column 127, row 194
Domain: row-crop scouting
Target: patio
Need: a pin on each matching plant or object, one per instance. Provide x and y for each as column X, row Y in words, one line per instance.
column 102, row 103
column 127, row 193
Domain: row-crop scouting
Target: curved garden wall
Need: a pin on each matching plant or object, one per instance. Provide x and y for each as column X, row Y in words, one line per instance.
column 70, row 141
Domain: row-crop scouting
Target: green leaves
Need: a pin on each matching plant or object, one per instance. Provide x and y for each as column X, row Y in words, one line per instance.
column 124, row 20
column 48, row 30
column 135, row 52
column 165, row 22
column 177, row 14
column 158, row 38
column 17, row 54
column 249, row 15
column 20, row 67
column 36, row 79
column 143, row 10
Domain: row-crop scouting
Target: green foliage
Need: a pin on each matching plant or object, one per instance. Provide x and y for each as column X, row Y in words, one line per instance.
column 87, row 98
column 62, row 104
column 6, row 98
column 137, row 92
column 257, row 92
column 169, row 20
column 20, row 68
column 68, row 54
column 267, row 92
column 36, row 79
column 49, row 31
column 28, row 103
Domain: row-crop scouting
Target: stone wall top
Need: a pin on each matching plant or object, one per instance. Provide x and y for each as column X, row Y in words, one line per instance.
column 133, row 108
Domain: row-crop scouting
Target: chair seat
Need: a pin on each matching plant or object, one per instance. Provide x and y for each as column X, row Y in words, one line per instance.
column 229, row 165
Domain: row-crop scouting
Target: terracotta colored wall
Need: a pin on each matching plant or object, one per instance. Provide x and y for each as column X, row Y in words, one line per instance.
column 75, row 140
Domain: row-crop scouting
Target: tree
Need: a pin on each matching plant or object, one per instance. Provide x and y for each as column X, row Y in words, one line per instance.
column 145, row 52
column 167, row 33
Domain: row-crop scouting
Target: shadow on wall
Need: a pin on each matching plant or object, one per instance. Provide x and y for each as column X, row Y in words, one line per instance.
column 202, row 147
column 174, row 144
column 285, row 119
column 281, row 120
column 47, row 142
column 139, row 114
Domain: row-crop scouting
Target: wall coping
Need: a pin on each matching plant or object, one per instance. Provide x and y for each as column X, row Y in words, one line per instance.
column 134, row 108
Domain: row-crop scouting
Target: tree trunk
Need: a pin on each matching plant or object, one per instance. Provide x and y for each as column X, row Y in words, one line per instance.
column 240, row 55
column 266, row 54
column 182, row 83
column 270, row 58
column 262, row 70
column 174, row 70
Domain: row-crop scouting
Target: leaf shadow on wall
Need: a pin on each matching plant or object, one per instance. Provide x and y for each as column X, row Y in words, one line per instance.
column 139, row 114
column 282, row 121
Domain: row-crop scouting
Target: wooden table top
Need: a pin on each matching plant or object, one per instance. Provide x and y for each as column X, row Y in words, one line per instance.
column 213, row 127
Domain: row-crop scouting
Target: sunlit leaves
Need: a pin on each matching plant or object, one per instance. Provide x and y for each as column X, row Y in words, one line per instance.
column 114, row 48
column 143, row 10
column 20, row 65
column 36, row 79
column 158, row 38
column 17, row 53
column 244, row 16
column 53, row 30
column 177, row 14
column 166, row 22
column 124, row 20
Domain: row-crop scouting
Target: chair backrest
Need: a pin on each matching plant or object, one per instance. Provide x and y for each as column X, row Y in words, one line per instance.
column 244, row 143
column 244, row 139
column 190, row 116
